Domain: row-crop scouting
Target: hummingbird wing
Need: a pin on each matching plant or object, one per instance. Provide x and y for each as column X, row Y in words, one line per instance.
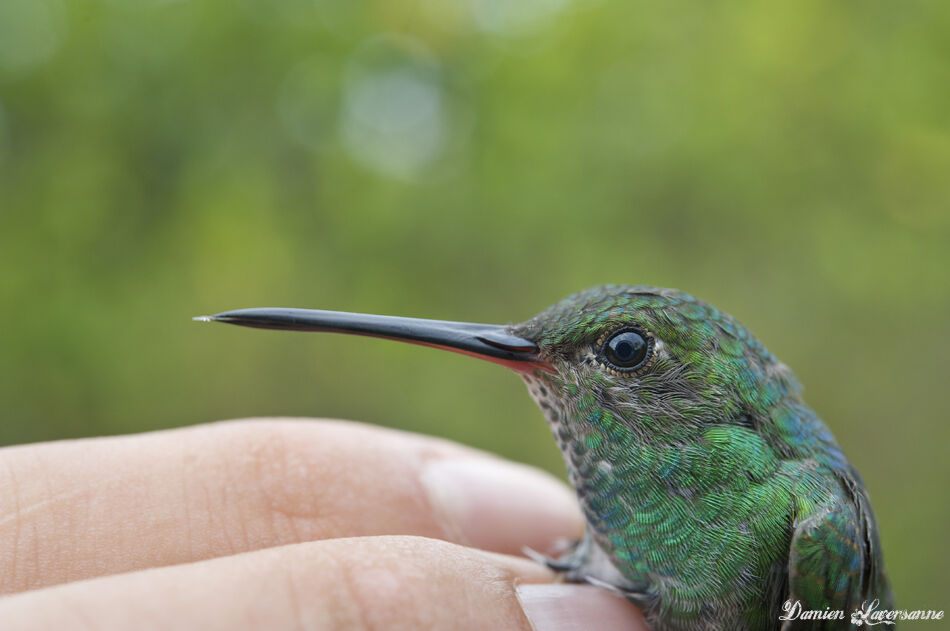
column 835, row 559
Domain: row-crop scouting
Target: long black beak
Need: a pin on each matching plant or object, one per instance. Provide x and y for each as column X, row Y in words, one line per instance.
column 491, row 342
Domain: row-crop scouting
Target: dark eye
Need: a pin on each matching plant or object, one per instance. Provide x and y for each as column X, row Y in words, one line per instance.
column 627, row 350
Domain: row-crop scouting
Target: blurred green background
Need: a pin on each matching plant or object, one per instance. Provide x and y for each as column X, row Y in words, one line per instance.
column 475, row 160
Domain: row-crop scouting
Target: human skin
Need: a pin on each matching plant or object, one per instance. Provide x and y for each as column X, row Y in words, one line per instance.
column 273, row 524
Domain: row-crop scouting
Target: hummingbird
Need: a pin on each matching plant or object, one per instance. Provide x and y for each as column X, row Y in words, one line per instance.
column 714, row 497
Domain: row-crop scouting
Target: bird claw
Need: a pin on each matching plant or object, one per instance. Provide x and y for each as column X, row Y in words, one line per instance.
column 572, row 564
column 563, row 564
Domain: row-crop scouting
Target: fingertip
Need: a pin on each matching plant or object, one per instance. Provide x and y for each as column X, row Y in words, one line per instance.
column 568, row 607
column 496, row 505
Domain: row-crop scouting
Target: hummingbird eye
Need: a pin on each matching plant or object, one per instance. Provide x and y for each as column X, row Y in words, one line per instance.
column 627, row 350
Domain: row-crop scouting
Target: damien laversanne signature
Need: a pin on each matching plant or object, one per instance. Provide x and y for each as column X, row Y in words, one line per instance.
column 867, row 614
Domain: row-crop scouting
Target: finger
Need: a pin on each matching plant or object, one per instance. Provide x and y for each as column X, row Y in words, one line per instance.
column 392, row 583
column 78, row 509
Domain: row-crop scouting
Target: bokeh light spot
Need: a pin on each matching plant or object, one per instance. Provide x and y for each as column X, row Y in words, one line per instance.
column 394, row 119
column 31, row 31
column 515, row 18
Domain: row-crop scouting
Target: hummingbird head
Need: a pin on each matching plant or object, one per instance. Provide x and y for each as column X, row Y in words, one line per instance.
column 660, row 360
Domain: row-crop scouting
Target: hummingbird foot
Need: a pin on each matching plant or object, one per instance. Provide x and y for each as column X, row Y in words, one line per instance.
column 640, row 598
column 583, row 561
column 563, row 564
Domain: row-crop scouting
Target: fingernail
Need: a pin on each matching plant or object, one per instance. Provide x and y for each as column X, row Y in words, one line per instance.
column 501, row 506
column 566, row 607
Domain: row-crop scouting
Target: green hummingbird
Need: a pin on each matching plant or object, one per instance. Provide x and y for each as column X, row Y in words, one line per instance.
column 714, row 497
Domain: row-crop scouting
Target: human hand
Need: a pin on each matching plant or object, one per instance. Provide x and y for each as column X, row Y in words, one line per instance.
column 274, row 524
